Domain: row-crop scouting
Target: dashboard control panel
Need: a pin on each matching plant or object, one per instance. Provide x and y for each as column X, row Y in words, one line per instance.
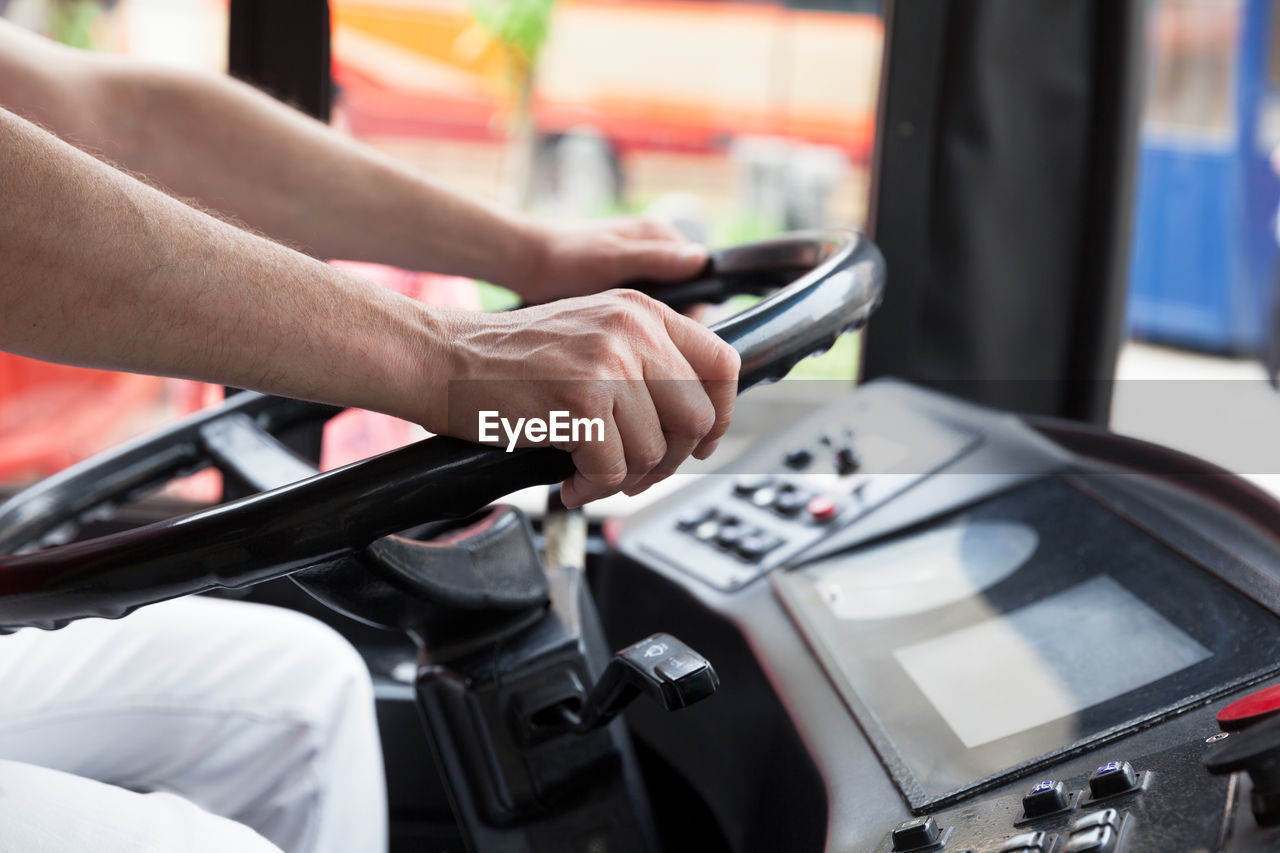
column 796, row 492
column 988, row 643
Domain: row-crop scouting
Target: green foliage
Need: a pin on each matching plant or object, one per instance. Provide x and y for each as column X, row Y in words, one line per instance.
column 840, row 362
column 494, row 298
column 740, row 227
column 520, row 26
column 72, row 21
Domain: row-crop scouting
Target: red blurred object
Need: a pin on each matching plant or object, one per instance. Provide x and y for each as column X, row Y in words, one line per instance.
column 1253, row 708
column 52, row 415
column 357, row 434
column 822, row 508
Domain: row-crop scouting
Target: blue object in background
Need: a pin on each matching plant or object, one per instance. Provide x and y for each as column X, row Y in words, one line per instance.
column 1204, row 262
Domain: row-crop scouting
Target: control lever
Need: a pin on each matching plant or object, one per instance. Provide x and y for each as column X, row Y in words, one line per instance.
column 1256, row 751
column 659, row 666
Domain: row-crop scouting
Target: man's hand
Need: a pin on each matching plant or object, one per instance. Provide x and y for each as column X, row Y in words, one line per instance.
column 573, row 260
column 662, row 384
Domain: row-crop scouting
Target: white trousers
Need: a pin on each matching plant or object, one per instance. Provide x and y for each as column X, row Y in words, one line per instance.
column 190, row 726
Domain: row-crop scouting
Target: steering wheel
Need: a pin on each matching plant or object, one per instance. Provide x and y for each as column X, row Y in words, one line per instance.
column 299, row 519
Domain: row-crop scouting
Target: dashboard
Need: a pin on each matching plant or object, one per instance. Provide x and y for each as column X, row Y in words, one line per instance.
column 946, row 631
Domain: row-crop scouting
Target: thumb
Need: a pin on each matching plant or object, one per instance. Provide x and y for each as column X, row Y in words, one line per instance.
column 667, row 260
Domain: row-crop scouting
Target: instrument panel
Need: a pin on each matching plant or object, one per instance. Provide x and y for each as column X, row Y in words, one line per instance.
column 989, row 644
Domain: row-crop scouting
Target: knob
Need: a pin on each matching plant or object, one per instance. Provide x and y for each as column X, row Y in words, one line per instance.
column 1256, row 751
column 847, row 461
column 799, row 458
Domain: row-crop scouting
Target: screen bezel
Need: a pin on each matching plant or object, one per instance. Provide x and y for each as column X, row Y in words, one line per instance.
column 926, row 758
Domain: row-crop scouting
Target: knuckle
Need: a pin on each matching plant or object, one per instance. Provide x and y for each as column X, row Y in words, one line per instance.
column 626, row 321
column 652, row 455
column 614, row 477
column 725, row 361
column 634, row 297
column 704, row 420
column 723, row 418
column 594, row 399
column 609, row 356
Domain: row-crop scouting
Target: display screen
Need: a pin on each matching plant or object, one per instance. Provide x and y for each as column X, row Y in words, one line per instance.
column 1017, row 629
column 1010, row 674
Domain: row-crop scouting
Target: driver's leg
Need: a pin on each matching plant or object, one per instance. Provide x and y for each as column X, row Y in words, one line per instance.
column 254, row 713
column 46, row 811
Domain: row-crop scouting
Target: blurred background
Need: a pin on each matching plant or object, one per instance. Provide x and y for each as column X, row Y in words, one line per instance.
column 735, row 119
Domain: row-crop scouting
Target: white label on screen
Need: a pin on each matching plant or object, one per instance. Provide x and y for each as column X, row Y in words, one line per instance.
column 934, row 569
column 1046, row 661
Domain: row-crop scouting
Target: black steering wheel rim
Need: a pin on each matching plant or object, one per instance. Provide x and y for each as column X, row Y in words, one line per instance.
column 295, row 524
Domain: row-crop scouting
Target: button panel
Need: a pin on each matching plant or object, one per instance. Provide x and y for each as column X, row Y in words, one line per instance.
column 1062, row 821
column 729, row 533
column 801, row 488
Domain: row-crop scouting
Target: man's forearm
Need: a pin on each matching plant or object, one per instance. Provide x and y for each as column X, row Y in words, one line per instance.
column 99, row 269
column 230, row 148
column 240, row 152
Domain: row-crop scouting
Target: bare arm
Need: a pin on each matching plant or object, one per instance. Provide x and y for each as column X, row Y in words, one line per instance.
column 101, row 270
column 239, row 152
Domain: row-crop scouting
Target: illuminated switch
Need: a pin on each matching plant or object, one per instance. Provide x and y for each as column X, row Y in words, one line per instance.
column 1044, row 798
column 822, row 508
column 730, row 534
column 707, row 530
column 764, row 497
column 1114, row 777
column 790, row 500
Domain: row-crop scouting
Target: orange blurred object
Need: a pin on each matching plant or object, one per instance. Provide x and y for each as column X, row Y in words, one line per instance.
column 682, row 75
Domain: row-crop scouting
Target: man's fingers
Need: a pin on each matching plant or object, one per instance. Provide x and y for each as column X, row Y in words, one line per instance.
column 687, row 416
column 661, row 260
column 649, row 228
column 644, row 445
column 601, row 469
column 716, row 363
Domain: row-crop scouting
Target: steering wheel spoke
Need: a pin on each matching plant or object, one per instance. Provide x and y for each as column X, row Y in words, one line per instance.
column 239, row 447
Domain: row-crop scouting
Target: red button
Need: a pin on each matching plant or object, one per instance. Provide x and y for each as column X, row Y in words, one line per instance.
column 1256, row 706
column 822, row 508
